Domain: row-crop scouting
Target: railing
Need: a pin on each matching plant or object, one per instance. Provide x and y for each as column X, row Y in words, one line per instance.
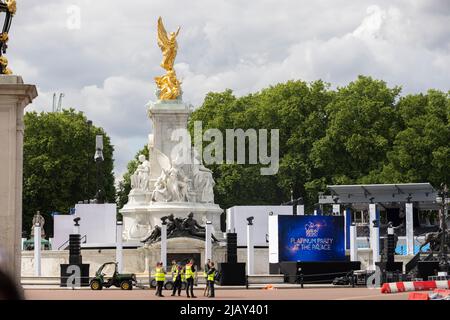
column 414, row 261
column 65, row 244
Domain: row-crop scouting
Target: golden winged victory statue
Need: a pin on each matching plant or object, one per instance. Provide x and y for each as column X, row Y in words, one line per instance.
column 169, row 86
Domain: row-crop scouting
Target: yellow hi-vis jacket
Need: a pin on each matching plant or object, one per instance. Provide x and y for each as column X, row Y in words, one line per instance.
column 174, row 269
column 160, row 275
column 211, row 276
column 179, row 272
column 189, row 272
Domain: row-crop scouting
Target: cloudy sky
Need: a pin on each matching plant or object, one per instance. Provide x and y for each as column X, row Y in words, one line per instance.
column 106, row 64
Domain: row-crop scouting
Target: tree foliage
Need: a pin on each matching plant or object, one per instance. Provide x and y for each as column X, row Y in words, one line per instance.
column 59, row 169
column 365, row 132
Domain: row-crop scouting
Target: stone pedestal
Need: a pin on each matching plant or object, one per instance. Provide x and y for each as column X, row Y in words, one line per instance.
column 166, row 117
column 14, row 97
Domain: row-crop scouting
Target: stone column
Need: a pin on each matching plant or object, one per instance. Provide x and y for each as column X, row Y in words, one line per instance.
column 250, row 248
column 37, row 250
column 208, row 241
column 409, row 228
column 14, row 97
column 119, row 246
column 164, row 244
column 353, row 243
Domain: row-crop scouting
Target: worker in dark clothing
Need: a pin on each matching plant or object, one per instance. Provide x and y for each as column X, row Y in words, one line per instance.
column 211, row 279
column 190, row 277
column 205, row 273
column 178, row 279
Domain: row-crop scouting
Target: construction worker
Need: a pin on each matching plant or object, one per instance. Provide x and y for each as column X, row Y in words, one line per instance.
column 178, row 279
column 160, row 277
column 190, row 275
column 211, row 279
column 174, row 268
column 205, row 274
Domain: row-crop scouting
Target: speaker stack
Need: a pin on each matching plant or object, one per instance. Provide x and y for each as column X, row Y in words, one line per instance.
column 75, row 249
column 232, row 272
column 75, row 259
column 232, row 247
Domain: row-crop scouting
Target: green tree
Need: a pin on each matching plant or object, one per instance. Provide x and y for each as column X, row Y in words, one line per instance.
column 59, row 169
column 362, row 125
column 421, row 150
column 297, row 110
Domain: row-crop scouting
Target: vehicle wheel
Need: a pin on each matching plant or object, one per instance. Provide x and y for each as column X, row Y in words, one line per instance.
column 153, row 283
column 96, row 285
column 183, row 286
column 126, row 285
column 169, row 285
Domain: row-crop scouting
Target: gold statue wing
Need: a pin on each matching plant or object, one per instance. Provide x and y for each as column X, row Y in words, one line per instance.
column 163, row 39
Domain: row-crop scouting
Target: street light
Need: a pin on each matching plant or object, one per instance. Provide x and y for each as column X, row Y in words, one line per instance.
column 98, row 157
column 89, row 125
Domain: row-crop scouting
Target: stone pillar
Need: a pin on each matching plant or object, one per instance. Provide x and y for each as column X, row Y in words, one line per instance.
column 301, row 210
column 353, row 243
column 375, row 237
column 37, row 250
column 250, row 248
column 409, row 229
column 164, row 244
column 208, row 241
column 14, row 97
column 119, row 246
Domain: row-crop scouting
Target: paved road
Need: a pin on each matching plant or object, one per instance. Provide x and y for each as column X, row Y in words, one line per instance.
column 229, row 294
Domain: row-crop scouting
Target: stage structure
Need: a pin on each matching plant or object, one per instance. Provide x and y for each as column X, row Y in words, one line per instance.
column 401, row 204
column 308, row 246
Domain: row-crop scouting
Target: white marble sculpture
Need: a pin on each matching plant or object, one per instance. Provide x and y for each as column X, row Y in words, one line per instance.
column 202, row 179
column 141, row 178
column 169, row 183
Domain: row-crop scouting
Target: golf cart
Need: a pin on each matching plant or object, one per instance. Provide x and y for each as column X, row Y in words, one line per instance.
column 114, row 278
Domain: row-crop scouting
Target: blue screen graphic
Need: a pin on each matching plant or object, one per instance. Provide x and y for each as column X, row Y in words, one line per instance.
column 311, row 238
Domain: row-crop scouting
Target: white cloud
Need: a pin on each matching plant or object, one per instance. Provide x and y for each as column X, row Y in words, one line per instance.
column 106, row 68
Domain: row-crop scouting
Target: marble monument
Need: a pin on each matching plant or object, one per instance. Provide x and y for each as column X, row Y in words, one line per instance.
column 173, row 181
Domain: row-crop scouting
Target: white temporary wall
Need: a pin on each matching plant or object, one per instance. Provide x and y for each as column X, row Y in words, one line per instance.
column 98, row 224
column 273, row 239
column 237, row 221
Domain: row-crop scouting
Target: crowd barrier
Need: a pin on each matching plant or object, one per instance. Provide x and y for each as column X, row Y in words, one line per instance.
column 414, row 286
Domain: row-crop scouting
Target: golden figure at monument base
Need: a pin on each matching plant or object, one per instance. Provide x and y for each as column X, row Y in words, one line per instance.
column 169, row 86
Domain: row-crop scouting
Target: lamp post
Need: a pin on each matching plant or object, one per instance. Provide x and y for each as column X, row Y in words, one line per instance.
column 98, row 157
column 9, row 8
column 89, row 125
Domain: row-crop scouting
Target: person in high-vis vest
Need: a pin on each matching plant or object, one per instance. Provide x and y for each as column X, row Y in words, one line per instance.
column 173, row 268
column 211, row 279
column 178, row 279
column 205, row 274
column 190, row 276
column 160, row 277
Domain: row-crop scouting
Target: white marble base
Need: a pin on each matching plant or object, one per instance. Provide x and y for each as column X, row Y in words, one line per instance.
column 140, row 220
